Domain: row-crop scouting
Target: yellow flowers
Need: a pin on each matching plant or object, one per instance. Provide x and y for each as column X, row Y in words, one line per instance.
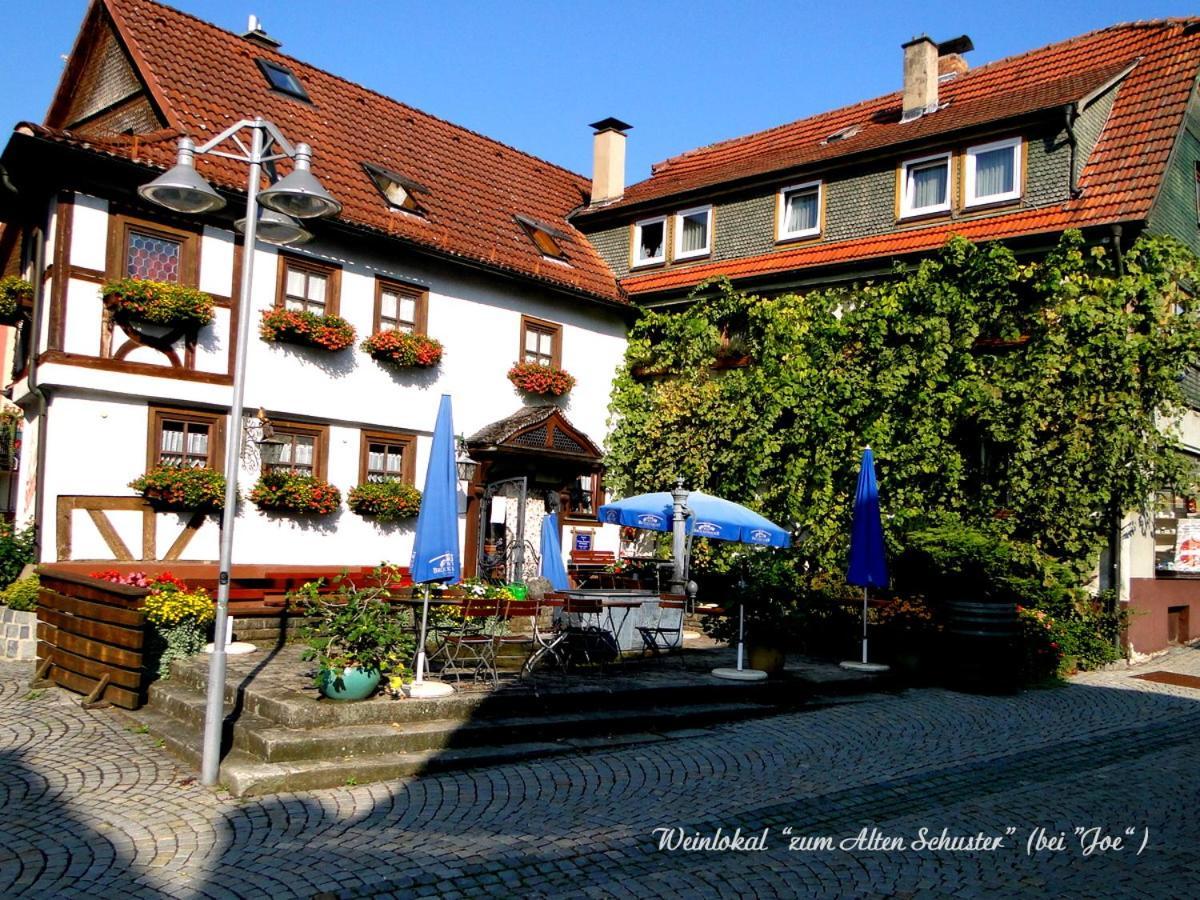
column 168, row 608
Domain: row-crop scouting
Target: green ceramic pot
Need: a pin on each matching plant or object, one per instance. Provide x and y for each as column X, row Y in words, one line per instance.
column 352, row 683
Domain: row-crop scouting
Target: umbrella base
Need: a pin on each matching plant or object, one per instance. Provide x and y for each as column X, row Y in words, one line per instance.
column 428, row 689
column 235, row 649
column 740, row 674
column 855, row 666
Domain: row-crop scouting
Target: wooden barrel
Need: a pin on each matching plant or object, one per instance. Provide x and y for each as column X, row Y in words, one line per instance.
column 982, row 646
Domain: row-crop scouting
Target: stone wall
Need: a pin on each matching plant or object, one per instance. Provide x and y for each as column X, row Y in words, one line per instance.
column 18, row 634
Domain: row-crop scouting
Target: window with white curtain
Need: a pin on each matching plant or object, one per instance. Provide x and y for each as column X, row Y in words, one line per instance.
column 693, row 232
column 993, row 172
column 650, row 241
column 926, row 185
column 799, row 211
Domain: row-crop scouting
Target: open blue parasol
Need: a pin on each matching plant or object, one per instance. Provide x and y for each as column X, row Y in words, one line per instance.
column 436, row 555
column 712, row 517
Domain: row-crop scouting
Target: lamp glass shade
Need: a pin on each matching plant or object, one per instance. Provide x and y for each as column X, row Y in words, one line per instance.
column 301, row 196
column 276, row 228
column 270, row 449
column 182, row 189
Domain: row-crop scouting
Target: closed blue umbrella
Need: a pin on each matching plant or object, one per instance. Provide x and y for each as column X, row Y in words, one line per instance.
column 868, row 556
column 554, row 569
column 436, row 555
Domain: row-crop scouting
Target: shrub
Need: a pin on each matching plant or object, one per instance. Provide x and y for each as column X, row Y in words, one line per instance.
column 16, row 551
column 284, row 491
column 179, row 618
column 404, row 350
column 21, row 595
column 182, row 487
column 158, row 302
column 307, row 329
column 534, row 378
column 387, row 501
column 14, row 293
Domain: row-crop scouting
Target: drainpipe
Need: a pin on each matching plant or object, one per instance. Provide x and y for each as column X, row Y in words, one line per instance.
column 1116, row 518
column 43, row 411
column 1072, row 116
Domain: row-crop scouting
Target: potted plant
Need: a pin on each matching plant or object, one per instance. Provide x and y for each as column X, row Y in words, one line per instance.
column 182, row 487
column 15, row 292
column 283, row 491
column 157, row 303
column 534, row 378
column 307, row 329
column 404, row 350
column 386, row 501
column 354, row 635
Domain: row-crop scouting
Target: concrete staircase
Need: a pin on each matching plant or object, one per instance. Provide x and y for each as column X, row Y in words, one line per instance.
column 280, row 737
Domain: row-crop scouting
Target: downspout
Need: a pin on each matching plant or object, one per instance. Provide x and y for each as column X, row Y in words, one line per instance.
column 1117, row 517
column 39, row 304
column 1072, row 116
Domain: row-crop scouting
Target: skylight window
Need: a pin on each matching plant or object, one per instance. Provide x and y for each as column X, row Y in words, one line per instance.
column 545, row 238
column 398, row 191
column 841, row 134
column 283, row 80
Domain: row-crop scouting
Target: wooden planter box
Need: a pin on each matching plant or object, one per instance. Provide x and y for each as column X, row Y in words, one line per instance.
column 91, row 636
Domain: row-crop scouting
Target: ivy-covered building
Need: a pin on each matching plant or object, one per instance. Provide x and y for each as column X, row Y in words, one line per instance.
column 1098, row 133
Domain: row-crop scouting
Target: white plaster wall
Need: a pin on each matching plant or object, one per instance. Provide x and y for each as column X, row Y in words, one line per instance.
column 98, row 420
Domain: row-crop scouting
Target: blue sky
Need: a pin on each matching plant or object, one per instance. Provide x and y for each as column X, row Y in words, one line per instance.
column 533, row 73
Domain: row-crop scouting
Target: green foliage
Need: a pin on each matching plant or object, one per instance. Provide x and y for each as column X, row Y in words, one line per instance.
column 987, row 387
column 355, row 625
column 14, row 293
column 182, row 487
column 1033, row 401
column 158, row 302
column 386, row 501
column 21, row 595
column 168, row 643
column 16, row 551
column 282, row 491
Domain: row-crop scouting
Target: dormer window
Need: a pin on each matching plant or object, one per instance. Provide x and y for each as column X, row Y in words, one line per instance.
column 693, row 232
column 545, row 238
column 650, row 241
column 283, row 80
column 397, row 190
column 993, row 172
column 799, row 211
column 925, row 185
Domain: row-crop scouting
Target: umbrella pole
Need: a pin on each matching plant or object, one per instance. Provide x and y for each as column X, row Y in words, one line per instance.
column 741, row 632
column 864, row 647
column 420, row 666
column 420, row 688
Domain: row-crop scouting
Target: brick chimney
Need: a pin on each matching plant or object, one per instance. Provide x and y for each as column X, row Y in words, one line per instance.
column 608, row 160
column 950, row 56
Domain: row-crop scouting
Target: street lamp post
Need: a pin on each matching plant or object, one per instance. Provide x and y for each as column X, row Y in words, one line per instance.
column 296, row 196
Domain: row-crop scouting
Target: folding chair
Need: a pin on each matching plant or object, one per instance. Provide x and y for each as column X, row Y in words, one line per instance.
column 583, row 632
column 664, row 631
column 471, row 646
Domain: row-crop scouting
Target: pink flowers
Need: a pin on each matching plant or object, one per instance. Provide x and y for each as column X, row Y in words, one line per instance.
column 534, row 378
column 294, row 327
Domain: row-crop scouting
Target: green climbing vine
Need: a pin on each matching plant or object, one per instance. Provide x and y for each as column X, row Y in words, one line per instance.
column 1032, row 398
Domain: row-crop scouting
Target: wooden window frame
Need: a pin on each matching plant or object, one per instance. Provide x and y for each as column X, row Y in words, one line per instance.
column 216, row 436
column 530, row 323
column 333, row 280
column 320, row 468
column 420, row 296
column 121, row 224
column 408, row 472
column 569, row 515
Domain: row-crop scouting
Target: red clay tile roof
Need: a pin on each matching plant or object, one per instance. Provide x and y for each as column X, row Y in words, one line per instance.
column 204, row 79
column 1119, row 181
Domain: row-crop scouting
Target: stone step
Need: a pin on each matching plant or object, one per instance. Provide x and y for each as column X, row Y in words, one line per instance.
column 271, row 742
column 294, row 704
column 243, row 775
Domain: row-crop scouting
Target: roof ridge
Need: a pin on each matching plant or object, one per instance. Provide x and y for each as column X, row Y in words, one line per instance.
column 369, row 90
column 662, row 165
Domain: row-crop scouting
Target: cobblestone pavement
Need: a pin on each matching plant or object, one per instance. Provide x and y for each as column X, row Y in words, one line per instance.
column 88, row 807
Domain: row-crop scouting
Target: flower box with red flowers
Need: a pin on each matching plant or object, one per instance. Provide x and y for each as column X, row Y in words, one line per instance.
column 534, row 378
column 385, row 501
column 291, row 326
column 182, row 487
column 283, row 491
column 404, row 350
column 157, row 303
